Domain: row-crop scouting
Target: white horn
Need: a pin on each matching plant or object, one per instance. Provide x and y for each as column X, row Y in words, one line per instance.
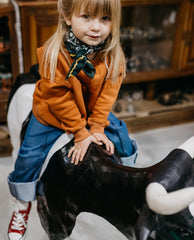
column 165, row 203
column 170, row 203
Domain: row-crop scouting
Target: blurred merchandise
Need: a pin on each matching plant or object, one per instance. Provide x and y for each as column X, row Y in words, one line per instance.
column 146, row 62
column 5, row 81
column 4, row 45
column 140, row 32
column 4, row 1
column 172, row 98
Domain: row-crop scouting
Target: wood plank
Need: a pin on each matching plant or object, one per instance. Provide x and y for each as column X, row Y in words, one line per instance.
column 162, row 74
column 157, row 120
column 36, row 3
column 148, row 2
column 148, row 107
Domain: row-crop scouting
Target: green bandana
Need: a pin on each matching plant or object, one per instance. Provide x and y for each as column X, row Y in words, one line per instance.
column 78, row 51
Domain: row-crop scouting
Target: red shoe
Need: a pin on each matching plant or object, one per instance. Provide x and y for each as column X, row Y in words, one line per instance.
column 18, row 225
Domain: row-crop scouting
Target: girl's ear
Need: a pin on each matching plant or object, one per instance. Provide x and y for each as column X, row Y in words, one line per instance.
column 67, row 20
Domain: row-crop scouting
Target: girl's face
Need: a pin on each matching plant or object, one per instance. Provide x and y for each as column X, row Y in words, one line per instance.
column 90, row 29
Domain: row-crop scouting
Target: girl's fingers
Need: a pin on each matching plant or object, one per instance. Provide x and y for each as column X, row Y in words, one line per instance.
column 70, row 151
column 78, row 151
column 82, row 155
column 99, row 142
column 102, row 139
column 73, row 156
column 76, row 155
column 77, row 158
column 111, row 148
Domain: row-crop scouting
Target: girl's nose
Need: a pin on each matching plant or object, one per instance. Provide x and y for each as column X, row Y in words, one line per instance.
column 95, row 24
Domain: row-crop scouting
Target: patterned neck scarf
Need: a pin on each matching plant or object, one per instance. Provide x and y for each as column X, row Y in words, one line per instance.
column 78, row 51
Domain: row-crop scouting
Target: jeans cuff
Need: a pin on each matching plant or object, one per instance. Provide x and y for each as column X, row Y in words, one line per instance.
column 23, row 191
column 130, row 160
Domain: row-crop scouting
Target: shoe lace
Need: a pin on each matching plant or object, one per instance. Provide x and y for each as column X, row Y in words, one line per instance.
column 18, row 222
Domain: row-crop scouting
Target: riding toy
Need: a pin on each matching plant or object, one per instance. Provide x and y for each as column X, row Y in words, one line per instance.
column 155, row 202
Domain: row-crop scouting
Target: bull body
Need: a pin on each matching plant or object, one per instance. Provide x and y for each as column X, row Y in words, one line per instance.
column 101, row 185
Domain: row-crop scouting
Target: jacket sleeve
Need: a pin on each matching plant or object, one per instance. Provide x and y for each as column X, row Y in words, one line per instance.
column 62, row 105
column 108, row 95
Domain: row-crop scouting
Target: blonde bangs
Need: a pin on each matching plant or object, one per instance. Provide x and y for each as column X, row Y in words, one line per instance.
column 94, row 7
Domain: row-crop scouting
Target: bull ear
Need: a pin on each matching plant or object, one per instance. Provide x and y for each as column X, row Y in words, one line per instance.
column 188, row 146
column 165, row 203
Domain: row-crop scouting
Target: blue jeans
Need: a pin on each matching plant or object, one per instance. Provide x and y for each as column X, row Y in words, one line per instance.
column 38, row 140
column 127, row 148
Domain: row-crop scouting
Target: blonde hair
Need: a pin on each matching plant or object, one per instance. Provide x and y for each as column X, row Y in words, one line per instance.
column 112, row 49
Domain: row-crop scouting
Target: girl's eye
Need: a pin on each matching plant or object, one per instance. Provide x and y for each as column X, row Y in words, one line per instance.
column 85, row 16
column 106, row 18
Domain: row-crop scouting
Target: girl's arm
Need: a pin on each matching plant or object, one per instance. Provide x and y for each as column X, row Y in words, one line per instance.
column 108, row 95
column 54, row 101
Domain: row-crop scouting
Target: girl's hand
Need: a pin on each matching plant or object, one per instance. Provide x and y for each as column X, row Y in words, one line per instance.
column 103, row 139
column 78, row 151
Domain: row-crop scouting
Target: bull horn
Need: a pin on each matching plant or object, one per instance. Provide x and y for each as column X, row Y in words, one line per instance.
column 170, row 203
column 165, row 203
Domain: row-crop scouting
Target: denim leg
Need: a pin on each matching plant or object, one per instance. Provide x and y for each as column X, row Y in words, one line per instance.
column 38, row 140
column 117, row 132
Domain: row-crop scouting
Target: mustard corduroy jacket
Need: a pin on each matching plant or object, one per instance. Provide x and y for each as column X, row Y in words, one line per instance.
column 75, row 103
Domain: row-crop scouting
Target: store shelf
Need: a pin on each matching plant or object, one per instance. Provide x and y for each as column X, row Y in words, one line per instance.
column 151, row 114
column 146, row 107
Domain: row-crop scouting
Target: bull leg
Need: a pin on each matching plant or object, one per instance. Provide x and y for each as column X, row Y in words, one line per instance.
column 52, row 227
column 146, row 224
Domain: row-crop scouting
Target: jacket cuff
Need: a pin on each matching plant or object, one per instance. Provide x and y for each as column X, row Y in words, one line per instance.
column 97, row 128
column 81, row 134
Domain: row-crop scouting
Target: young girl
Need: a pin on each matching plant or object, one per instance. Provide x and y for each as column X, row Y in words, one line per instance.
column 82, row 67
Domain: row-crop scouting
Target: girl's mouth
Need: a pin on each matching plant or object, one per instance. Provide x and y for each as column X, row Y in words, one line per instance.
column 94, row 37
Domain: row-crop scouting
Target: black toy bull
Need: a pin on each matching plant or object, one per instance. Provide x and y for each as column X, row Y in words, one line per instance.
column 102, row 186
column 129, row 198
